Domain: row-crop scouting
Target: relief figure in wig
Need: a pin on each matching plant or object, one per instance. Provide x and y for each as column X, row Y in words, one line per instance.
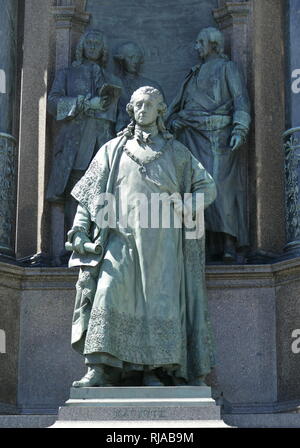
column 84, row 99
column 211, row 116
column 129, row 58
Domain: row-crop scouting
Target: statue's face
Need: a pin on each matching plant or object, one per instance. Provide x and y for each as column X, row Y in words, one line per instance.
column 202, row 45
column 145, row 109
column 92, row 47
column 132, row 59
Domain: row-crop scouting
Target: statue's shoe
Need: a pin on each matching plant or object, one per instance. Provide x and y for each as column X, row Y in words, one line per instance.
column 93, row 378
column 229, row 256
column 150, row 379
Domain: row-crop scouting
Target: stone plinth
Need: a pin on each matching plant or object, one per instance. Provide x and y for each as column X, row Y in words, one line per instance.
column 278, row 420
column 139, row 403
column 254, row 311
column 38, row 365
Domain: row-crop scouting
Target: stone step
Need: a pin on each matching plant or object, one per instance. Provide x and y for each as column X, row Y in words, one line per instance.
column 83, row 393
column 107, row 402
column 140, row 404
column 142, row 424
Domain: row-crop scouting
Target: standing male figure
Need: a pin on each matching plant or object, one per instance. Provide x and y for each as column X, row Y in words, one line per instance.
column 211, row 116
column 142, row 307
column 88, row 114
column 130, row 57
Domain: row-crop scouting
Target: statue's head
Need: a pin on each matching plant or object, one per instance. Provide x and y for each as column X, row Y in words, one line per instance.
column 92, row 47
column 146, row 106
column 130, row 57
column 209, row 41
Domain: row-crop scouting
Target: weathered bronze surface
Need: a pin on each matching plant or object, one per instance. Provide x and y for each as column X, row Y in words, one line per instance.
column 211, row 116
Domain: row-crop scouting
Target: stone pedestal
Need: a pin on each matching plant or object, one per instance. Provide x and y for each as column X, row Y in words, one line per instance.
column 120, row 404
column 254, row 312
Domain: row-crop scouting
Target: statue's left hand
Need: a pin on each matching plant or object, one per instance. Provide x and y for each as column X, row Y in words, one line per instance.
column 235, row 142
column 78, row 242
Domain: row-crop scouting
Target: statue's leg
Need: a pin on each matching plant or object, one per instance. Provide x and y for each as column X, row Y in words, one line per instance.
column 229, row 254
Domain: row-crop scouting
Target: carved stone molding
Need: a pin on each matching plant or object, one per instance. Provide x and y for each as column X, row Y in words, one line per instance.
column 67, row 16
column 80, row 4
column 8, row 185
column 233, row 19
column 232, row 13
column 292, row 186
column 70, row 22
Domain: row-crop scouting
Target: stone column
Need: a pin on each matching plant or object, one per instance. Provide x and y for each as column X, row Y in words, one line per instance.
column 233, row 19
column 267, row 160
column 8, row 147
column 70, row 23
column 292, row 135
column 255, row 31
column 31, row 213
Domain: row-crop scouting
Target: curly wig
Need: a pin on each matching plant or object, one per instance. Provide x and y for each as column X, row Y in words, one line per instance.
column 162, row 109
column 79, row 55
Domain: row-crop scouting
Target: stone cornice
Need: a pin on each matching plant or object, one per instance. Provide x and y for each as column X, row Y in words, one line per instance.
column 232, row 12
column 217, row 276
column 18, row 277
column 253, row 276
column 66, row 16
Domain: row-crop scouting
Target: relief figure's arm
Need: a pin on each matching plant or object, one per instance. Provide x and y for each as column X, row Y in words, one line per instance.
column 241, row 105
column 60, row 105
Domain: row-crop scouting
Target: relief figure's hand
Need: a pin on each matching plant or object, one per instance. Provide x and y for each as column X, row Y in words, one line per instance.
column 235, row 142
column 105, row 102
column 95, row 103
column 100, row 103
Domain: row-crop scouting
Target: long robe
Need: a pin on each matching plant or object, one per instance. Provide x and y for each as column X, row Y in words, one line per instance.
column 213, row 105
column 144, row 303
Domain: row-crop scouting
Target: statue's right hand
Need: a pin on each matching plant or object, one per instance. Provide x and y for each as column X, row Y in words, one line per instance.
column 78, row 242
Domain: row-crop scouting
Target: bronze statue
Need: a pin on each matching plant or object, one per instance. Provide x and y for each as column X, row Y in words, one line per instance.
column 129, row 58
column 211, row 116
column 84, row 98
column 141, row 306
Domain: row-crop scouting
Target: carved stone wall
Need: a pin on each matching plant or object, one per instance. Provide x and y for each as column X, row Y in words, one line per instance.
column 8, row 184
column 8, row 159
column 32, row 219
column 166, row 30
